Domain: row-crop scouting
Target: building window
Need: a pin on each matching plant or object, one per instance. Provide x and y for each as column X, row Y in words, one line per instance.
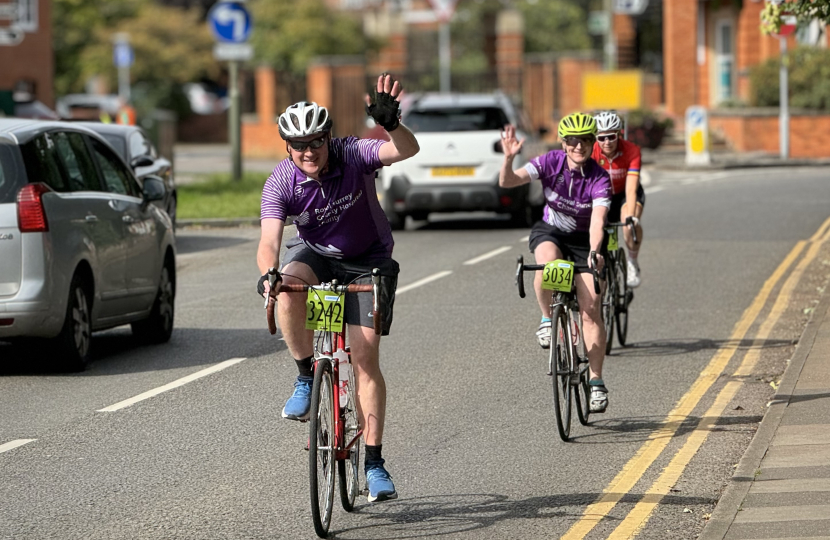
column 724, row 59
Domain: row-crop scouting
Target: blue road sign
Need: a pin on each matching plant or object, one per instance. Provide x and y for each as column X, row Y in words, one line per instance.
column 230, row 22
column 122, row 55
column 695, row 115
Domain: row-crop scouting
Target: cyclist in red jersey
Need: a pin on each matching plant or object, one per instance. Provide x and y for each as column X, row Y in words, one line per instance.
column 621, row 159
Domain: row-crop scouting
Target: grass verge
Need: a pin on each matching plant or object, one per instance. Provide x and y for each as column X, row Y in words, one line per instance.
column 220, row 197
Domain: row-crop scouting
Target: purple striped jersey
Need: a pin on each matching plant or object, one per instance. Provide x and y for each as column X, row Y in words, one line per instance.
column 340, row 215
column 570, row 195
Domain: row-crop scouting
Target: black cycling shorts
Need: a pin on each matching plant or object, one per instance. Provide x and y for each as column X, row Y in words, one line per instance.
column 577, row 244
column 618, row 200
column 359, row 306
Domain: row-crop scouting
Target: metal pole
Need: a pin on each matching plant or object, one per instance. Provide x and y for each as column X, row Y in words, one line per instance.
column 784, row 115
column 608, row 45
column 234, row 121
column 444, row 55
column 124, row 84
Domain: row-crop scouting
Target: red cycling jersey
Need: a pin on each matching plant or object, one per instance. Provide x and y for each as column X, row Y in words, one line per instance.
column 626, row 161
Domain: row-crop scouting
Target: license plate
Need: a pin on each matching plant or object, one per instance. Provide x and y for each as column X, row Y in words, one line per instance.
column 453, row 171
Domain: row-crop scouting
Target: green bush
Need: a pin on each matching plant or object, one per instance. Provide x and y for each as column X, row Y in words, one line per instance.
column 646, row 129
column 809, row 80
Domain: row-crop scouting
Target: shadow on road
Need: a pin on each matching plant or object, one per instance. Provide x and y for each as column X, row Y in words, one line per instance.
column 425, row 517
column 117, row 351
column 452, row 222
column 194, row 243
column 638, row 429
column 670, row 347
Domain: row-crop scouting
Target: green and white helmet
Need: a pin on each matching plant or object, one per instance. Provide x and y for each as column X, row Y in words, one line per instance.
column 577, row 124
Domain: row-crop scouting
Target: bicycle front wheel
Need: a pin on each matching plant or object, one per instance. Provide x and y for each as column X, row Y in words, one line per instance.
column 561, row 360
column 321, row 443
column 348, row 470
column 609, row 304
column 623, row 298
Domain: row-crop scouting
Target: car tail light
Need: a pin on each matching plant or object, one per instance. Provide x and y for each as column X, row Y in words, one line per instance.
column 31, row 216
column 505, row 200
column 6, row 322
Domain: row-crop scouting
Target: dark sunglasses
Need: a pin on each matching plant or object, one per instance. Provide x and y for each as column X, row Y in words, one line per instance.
column 314, row 144
column 608, row 138
column 572, row 140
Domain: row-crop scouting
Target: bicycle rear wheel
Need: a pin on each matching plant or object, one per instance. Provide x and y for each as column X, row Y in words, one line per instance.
column 561, row 360
column 623, row 298
column 321, row 443
column 609, row 304
column 348, row 470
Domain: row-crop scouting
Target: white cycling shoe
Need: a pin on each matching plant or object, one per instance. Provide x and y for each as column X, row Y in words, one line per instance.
column 543, row 334
column 633, row 280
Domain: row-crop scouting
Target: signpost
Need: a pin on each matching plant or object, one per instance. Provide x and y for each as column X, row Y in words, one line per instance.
column 788, row 26
column 443, row 12
column 697, row 136
column 123, row 57
column 231, row 24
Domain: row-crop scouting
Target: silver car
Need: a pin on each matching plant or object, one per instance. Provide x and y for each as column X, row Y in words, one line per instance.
column 81, row 247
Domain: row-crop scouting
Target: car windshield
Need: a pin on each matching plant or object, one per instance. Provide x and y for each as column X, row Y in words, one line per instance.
column 10, row 173
column 456, row 119
column 117, row 143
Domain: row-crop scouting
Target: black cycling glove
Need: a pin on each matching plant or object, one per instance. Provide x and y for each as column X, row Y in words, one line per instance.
column 384, row 110
column 260, row 285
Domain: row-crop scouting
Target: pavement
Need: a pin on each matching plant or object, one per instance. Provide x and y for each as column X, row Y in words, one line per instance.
column 673, row 158
column 781, row 487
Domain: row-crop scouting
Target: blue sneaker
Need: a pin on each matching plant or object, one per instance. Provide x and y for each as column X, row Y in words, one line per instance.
column 299, row 404
column 379, row 483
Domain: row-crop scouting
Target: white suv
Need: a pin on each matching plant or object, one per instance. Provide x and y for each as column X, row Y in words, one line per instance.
column 458, row 166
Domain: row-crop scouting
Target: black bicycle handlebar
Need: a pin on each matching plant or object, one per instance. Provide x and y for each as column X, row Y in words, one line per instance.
column 629, row 222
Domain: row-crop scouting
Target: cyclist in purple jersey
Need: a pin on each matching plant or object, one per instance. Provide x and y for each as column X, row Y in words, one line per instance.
column 328, row 186
column 577, row 197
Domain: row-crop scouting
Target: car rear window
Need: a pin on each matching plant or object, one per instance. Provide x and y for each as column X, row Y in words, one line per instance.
column 456, row 119
column 12, row 175
column 118, row 143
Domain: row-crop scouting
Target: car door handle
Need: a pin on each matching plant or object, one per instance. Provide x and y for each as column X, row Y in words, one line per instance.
column 90, row 218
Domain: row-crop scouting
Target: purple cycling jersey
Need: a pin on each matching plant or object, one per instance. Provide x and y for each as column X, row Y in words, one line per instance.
column 570, row 195
column 340, row 215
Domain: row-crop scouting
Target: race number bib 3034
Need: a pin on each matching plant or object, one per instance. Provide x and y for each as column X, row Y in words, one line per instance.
column 324, row 311
column 613, row 239
column 558, row 275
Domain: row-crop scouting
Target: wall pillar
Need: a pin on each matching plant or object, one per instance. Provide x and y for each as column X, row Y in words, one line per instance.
column 680, row 20
column 510, row 50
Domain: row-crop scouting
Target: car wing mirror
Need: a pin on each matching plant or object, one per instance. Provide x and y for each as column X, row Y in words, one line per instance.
column 543, row 131
column 153, row 189
column 497, row 147
column 141, row 161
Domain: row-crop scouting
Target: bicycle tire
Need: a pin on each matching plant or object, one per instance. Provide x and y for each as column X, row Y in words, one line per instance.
column 348, row 470
column 623, row 298
column 609, row 304
column 561, row 361
column 582, row 395
column 321, row 435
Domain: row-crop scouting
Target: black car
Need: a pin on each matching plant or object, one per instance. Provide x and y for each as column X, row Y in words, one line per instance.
column 138, row 151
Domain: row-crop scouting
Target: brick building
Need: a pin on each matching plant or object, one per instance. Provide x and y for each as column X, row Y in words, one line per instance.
column 709, row 47
column 26, row 59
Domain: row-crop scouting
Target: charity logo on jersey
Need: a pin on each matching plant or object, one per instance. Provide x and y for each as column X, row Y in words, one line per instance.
column 298, row 190
column 303, row 218
column 326, row 251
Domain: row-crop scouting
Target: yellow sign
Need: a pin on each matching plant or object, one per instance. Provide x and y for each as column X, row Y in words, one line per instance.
column 621, row 90
column 324, row 311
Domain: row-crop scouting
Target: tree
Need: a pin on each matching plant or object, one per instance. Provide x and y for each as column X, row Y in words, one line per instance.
column 804, row 10
column 288, row 34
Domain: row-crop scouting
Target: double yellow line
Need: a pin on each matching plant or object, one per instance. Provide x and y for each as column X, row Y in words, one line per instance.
column 636, row 467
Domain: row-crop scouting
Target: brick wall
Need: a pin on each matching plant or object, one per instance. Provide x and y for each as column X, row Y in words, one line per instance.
column 679, row 54
column 509, row 50
column 569, row 83
column 757, row 130
column 32, row 59
column 625, row 35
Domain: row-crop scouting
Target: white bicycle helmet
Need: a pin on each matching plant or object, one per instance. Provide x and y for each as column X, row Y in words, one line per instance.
column 302, row 119
column 608, row 121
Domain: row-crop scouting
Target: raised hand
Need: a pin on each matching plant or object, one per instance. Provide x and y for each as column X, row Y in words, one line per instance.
column 510, row 145
column 384, row 103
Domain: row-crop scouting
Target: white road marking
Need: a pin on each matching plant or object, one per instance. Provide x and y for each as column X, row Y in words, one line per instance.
column 14, row 444
column 420, row 282
column 169, row 386
column 524, row 238
column 654, row 189
column 488, row 255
